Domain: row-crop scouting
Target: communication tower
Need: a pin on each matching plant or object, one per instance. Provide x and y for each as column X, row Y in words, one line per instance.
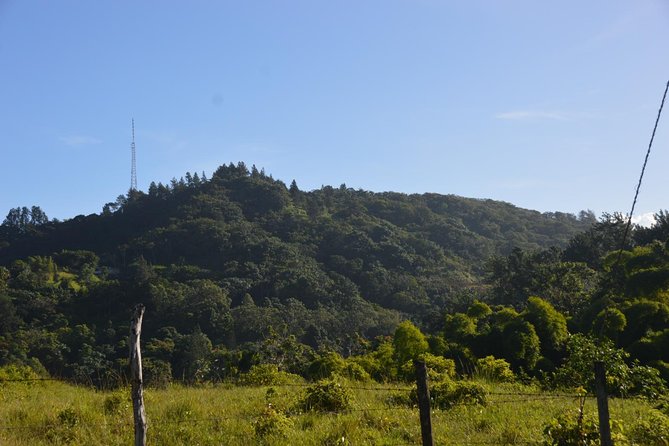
column 133, row 165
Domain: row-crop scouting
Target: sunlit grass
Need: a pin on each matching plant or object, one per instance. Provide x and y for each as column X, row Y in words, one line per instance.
column 57, row 413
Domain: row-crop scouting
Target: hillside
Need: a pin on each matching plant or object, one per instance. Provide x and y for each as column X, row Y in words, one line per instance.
column 258, row 236
column 240, row 270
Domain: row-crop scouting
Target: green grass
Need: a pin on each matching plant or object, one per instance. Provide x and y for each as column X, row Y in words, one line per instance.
column 57, row 413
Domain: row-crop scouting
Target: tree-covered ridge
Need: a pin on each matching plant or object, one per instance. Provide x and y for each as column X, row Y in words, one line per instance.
column 241, row 270
column 241, row 221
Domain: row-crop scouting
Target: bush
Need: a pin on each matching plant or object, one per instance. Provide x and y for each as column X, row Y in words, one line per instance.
column 156, row 373
column 326, row 396
column 653, row 431
column 572, row 430
column 271, row 423
column 446, row 394
column 464, row 392
column 646, row 381
column 621, row 379
column 577, row 370
column 438, row 368
column 566, row 430
column 267, row 375
column 494, row 370
column 379, row 364
column 68, row 418
column 355, row 372
column 116, row 404
column 17, row 372
column 326, row 365
column 65, row 428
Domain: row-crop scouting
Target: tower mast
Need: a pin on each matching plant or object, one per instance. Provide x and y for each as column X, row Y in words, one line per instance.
column 133, row 165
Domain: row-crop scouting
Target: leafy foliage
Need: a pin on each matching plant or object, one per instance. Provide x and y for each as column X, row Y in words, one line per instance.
column 447, row 393
column 326, row 396
column 567, row 430
column 495, row 370
column 239, row 272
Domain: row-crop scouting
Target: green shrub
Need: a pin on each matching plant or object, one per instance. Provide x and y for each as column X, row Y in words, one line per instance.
column 577, row 370
column 621, row 379
column 65, row 428
column 17, row 372
column 567, row 430
column 408, row 342
column 68, row 417
column 355, row 372
column 326, row 396
column 438, row 368
column 271, row 423
column 494, row 370
column 646, row 381
column 447, row 393
column 116, row 404
column 573, row 430
column 156, row 373
column 379, row 364
column 663, row 406
column 325, row 365
column 464, row 392
column 267, row 375
column 651, row 431
column 662, row 367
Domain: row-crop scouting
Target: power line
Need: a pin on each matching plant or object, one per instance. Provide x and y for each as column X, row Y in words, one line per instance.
column 643, row 169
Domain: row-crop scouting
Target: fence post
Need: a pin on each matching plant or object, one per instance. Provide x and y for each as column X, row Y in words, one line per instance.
column 137, row 391
column 423, row 402
column 602, row 404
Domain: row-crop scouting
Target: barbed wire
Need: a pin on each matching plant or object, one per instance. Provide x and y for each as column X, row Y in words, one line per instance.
column 18, row 380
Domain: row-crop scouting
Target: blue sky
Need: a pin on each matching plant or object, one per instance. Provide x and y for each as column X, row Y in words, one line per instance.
column 547, row 105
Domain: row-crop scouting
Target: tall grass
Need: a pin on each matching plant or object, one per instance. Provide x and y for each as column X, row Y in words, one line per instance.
column 33, row 414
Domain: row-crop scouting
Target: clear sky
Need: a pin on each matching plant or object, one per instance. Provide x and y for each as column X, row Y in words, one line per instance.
column 547, row 105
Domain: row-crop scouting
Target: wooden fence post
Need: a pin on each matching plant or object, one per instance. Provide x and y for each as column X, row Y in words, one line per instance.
column 137, row 391
column 423, row 402
column 602, row 404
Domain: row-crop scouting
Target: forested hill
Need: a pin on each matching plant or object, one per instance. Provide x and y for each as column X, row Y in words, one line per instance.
column 239, row 270
column 255, row 235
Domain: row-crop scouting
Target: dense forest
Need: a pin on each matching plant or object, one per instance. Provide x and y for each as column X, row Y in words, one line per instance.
column 240, row 270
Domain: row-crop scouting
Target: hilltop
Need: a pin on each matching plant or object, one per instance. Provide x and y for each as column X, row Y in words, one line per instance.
column 254, row 235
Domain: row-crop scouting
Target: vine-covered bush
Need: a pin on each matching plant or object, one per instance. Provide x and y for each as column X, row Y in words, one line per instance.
column 446, row 394
column 326, row 396
column 494, row 370
column 271, row 423
column 268, row 375
column 621, row 378
column 574, row 429
column 438, row 368
column 17, row 372
column 567, row 430
column 652, row 431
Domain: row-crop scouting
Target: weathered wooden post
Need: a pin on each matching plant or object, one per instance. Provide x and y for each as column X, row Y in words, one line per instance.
column 137, row 391
column 423, row 402
column 602, row 404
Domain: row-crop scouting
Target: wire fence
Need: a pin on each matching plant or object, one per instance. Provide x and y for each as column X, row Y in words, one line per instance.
column 493, row 398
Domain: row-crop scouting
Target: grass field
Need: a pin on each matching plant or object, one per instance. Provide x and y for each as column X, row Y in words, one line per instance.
column 40, row 413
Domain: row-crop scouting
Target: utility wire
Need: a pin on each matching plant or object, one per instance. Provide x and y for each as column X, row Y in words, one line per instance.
column 638, row 186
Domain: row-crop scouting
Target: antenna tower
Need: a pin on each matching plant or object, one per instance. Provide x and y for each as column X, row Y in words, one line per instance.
column 133, row 166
